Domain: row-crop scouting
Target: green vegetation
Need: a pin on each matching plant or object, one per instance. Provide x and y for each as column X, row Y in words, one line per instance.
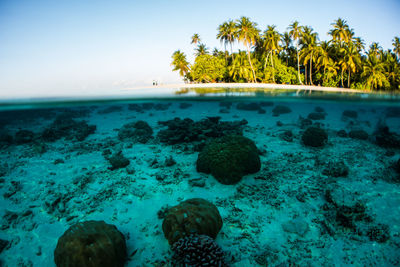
column 293, row 57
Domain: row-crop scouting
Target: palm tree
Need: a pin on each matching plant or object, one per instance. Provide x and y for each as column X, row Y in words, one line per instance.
column 396, row 44
column 374, row 72
column 310, row 51
column 240, row 68
column 227, row 33
column 359, row 43
column 247, row 34
column 196, row 38
column 201, row 50
column 351, row 60
column 375, row 50
column 392, row 68
column 296, row 32
column 324, row 58
column 340, row 32
column 271, row 45
column 180, row 63
column 286, row 44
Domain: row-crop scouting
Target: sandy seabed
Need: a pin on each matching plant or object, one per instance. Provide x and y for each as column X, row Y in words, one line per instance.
column 279, row 216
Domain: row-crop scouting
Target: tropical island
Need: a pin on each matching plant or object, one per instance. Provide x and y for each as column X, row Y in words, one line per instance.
column 295, row 57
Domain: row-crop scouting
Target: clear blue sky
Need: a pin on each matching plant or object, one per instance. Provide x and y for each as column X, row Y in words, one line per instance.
column 58, row 46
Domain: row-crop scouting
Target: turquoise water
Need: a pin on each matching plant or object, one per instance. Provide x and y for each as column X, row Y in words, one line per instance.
column 314, row 182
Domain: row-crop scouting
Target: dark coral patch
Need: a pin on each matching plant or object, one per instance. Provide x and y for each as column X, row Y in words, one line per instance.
column 229, row 158
column 193, row 216
column 91, row 243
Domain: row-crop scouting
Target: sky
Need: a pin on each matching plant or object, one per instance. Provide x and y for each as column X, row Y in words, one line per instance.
column 59, row 47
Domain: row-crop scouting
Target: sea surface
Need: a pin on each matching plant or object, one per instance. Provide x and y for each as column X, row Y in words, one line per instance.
column 319, row 187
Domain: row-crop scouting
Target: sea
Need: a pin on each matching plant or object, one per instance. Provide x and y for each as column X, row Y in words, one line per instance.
column 201, row 177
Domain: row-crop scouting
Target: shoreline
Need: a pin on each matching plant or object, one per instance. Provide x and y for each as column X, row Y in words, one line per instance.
column 253, row 85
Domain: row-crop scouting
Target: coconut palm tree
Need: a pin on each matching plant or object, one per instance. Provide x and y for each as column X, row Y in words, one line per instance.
column 271, row 45
column 359, row 43
column 324, row 58
column 375, row 49
column 296, row 32
column 201, row 50
column 351, row 60
column 247, row 33
column 396, row 45
column 227, row 33
column 340, row 32
column 392, row 68
column 180, row 63
column 286, row 41
column 196, row 39
column 374, row 72
column 310, row 49
column 240, row 68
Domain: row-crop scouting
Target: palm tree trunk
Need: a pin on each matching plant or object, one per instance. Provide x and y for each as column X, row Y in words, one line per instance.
column 311, row 83
column 232, row 52
column 341, row 77
column 251, row 65
column 298, row 64
column 348, row 80
column 273, row 69
column 305, row 72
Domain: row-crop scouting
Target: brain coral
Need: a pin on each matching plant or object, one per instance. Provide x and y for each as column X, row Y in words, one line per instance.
column 229, row 158
column 193, row 216
column 91, row 244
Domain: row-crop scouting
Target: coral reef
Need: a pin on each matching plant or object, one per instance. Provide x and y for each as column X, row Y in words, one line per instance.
column 280, row 109
column 118, row 161
column 89, row 244
column 187, row 130
column 23, row 137
column 352, row 114
column 336, row 169
column 358, row 134
column 229, row 158
column 197, row 250
column 139, row 131
column 65, row 127
column 314, row 137
column 193, row 216
column 316, row 116
column 385, row 138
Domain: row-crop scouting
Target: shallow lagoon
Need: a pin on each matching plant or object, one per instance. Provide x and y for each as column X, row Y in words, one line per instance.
column 332, row 205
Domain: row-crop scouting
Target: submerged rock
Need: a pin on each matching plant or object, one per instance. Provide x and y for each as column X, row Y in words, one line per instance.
column 314, row 137
column 193, row 216
column 91, row 243
column 229, row 158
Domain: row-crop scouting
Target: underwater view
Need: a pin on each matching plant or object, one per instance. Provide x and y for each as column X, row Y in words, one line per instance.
column 197, row 179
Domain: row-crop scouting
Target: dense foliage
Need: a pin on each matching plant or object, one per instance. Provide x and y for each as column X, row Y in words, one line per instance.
column 293, row 57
